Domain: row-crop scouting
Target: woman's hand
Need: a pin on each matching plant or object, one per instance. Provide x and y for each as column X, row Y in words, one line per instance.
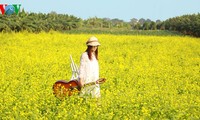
column 80, row 82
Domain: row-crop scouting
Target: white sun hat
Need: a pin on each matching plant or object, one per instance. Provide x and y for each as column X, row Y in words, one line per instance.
column 93, row 41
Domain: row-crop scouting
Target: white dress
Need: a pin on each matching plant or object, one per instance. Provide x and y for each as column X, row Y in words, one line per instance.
column 89, row 72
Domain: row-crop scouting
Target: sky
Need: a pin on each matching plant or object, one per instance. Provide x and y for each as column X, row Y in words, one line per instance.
column 121, row 9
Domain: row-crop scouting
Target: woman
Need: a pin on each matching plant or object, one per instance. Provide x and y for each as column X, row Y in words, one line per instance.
column 89, row 69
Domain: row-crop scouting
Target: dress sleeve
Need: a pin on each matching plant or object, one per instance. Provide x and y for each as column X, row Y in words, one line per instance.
column 82, row 66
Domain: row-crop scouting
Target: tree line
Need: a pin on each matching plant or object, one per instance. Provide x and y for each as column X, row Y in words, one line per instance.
column 186, row 24
column 37, row 22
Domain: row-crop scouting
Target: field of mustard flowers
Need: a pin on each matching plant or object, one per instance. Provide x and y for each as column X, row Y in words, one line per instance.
column 148, row 77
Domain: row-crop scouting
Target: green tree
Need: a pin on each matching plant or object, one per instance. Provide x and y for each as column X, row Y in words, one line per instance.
column 146, row 26
column 153, row 26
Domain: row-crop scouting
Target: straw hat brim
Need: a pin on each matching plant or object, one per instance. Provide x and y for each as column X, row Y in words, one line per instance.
column 93, row 44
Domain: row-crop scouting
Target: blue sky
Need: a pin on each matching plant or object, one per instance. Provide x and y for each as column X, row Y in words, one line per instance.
column 121, row 9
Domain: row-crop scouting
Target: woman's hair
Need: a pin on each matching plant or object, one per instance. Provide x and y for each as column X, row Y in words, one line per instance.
column 89, row 52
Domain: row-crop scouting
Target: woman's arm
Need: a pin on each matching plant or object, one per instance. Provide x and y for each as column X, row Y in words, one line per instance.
column 82, row 70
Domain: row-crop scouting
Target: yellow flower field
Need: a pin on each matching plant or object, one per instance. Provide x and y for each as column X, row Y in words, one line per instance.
column 148, row 77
